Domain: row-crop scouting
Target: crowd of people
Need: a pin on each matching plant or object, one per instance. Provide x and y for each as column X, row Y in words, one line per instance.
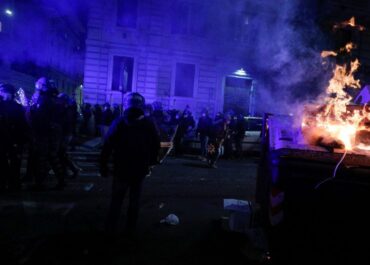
column 44, row 126
column 45, row 129
column 222, row 135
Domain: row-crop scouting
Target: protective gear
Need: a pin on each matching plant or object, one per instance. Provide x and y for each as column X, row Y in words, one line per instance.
column 134, row 142
column 134, row 100
column 41, row 84
column 13, row 134
column 47, row 126
column 46, row 86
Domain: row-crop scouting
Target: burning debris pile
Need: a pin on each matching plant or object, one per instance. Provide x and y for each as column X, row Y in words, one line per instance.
column 334, row 122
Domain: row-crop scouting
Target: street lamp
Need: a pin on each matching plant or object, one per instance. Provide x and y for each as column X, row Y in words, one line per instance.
column 240, row 72
column 8, row 12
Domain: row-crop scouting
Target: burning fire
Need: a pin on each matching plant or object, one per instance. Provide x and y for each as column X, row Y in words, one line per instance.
column 334, row 124
column 325, row 54
column 348, row 47
column 349, row 23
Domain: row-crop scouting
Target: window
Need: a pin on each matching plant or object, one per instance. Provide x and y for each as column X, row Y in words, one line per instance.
column 184, row 80
column 122, row 74
column 198, row 20
column 127, row 13
column 180, row 18
column 189, row 19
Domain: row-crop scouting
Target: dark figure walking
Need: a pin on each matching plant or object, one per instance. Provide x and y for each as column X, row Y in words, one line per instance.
column 106, row 120
column 116, row 111
column 98, row 112
column 31, row 159
column 185, row 124
column 46, row 124
column 134, row 142
column 86, row 116
column 239, row 135
column 75, row 114
column 203, row 130
column 216, row 139
column 66, row 113
column 13, row 129
column 229, row 137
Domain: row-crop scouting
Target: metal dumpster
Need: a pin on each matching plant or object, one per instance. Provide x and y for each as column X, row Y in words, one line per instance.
column 311, row 217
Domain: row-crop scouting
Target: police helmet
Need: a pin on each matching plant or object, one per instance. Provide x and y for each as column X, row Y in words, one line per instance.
column 134, row 100
column 47, row 86
column 41, row 84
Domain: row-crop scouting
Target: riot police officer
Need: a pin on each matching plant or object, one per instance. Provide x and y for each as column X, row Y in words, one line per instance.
column 46, row 123
column 13, row 135
column 66, row 112
column 134, row 142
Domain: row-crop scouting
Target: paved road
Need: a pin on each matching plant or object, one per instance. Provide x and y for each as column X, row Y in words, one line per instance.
column 65, row 227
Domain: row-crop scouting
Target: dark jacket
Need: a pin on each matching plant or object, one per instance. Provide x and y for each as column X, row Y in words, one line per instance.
column 185, row 123
column 68, row 119
column 45, row 116
column 107, row 117
column 218, row 132
column 98, row 112
column 13, row 125
column 204, row 126
column 134, row 142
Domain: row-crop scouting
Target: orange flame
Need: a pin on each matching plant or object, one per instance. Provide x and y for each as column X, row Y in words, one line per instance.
column 364, row 147
column 333, row 121
column 348, row 47
column 349, row 23
column 333, row 124
column 325, row 54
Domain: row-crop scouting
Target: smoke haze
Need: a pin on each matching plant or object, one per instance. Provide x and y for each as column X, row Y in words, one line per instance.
column 282, row 42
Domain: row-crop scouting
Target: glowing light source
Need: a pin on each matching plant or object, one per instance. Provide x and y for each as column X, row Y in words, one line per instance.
column 332, row 123
column 241, row 72
column 9, row 12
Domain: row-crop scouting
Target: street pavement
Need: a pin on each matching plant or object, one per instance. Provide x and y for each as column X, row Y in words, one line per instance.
column 66, row 227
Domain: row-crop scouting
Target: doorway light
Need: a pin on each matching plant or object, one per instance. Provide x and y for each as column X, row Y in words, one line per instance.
column 240, row 72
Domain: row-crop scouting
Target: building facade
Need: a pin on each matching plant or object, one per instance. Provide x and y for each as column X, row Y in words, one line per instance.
column 176, row 52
